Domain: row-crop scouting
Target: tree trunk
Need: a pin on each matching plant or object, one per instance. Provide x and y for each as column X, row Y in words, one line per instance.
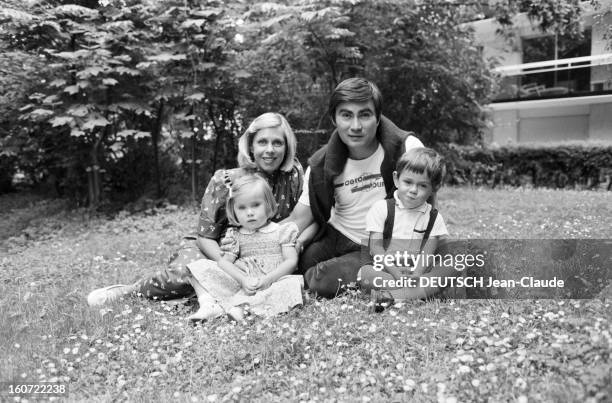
column 94, row 188
column 155, row 134
column 194, row 184
column 194, row 178
column 211, row 115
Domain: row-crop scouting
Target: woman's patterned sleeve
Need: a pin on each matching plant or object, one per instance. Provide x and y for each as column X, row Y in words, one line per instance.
column 297, row 180
column 230, row 243
column 287, row 234
column 213, row 220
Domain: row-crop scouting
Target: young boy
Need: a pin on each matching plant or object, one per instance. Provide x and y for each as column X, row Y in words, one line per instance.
column 415, row 229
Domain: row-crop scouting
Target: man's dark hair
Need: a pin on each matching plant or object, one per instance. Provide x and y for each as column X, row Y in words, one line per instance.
column 355, row 89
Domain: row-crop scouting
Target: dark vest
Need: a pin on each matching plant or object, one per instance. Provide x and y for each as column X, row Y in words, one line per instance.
column 329, row 161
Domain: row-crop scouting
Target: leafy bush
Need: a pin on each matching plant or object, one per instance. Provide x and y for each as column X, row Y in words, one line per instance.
column 566, row 165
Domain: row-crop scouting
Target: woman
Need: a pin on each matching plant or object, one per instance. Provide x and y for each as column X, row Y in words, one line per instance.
column 268, row 147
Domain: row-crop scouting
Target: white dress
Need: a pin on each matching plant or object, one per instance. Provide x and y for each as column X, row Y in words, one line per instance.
column 259, row 253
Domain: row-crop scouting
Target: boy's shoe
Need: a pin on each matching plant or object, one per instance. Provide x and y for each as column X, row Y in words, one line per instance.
column 381, row 300
column 103, row 296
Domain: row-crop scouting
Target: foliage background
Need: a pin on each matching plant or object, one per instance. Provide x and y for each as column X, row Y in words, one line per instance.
column 107, row 101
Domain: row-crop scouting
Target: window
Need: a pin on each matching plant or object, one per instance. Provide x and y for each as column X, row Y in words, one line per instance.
column 570, row 80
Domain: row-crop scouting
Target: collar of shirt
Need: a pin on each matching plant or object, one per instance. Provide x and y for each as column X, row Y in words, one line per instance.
column 266, row 229
column 422, row 208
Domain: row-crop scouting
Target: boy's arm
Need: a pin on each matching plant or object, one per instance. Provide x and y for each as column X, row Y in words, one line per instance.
column 376, row 248
column 431, row 245
column 376, row 244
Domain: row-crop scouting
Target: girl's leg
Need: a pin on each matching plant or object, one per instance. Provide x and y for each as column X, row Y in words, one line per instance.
column 209, row 309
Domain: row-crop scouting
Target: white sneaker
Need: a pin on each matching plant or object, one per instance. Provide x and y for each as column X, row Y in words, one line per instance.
column 103, row 296
column 206, row 313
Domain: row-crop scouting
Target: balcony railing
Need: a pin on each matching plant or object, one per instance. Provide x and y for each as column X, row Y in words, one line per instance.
column 578, row 76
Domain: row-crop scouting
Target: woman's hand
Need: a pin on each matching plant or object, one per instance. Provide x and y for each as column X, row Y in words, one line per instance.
column 228, row 245
column 250, row 285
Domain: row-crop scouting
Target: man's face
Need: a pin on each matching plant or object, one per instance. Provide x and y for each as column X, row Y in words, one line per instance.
column 356, row 124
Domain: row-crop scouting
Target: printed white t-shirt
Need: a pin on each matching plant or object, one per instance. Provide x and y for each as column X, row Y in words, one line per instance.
column 356, row 189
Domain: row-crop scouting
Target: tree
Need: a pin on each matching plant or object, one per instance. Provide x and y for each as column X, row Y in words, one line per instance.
column 120, row 71
column 418, row 53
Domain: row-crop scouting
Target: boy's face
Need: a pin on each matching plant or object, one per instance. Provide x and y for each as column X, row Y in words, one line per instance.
column 356, row 124
column 413, row 189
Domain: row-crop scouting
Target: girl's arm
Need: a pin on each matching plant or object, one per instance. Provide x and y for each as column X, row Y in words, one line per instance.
column 287, row 266
column 226, row 263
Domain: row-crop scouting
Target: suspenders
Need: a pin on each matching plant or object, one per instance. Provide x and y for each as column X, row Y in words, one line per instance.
column 389, row 221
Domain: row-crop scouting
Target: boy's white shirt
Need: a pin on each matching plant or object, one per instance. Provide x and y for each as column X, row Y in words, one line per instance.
column 406, row 221
column 357, row 188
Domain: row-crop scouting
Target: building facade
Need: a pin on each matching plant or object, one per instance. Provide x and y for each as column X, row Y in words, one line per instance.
column 553, row 88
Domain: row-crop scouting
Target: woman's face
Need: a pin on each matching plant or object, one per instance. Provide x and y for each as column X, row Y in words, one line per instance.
column 269, row 148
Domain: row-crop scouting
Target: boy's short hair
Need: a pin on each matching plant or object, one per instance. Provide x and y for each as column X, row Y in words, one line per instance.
column 356, row 89
column 244, row 185
column 423, row 159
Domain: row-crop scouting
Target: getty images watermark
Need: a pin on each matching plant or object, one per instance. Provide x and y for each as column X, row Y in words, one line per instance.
column 460, row 262
column 497, row 268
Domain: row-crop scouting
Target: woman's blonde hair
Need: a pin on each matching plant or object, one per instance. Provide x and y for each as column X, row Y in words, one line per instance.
column 265, row 121
column 245, row 184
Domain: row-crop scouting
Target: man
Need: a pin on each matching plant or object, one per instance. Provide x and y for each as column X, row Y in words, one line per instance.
column 344, row 178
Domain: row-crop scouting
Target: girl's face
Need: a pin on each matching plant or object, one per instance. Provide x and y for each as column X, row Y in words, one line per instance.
column 413, row 189
column 250, row 209
column 268, row 149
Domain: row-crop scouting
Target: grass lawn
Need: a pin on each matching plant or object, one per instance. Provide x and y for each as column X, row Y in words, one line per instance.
column 445, row 351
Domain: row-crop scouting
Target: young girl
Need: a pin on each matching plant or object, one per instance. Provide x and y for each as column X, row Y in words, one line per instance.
column 259, row 256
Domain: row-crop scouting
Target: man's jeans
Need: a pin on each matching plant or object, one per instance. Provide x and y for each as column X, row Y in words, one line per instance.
column 330, row 263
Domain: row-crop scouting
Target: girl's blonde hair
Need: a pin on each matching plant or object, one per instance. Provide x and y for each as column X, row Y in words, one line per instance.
column 244, row 185
column 266, row 121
